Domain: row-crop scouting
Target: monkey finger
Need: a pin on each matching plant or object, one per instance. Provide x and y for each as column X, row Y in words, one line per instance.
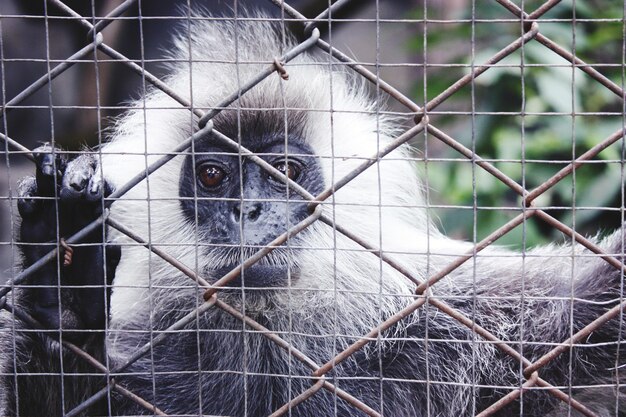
column 50, row 165
column 76, row 179
column 99, row 187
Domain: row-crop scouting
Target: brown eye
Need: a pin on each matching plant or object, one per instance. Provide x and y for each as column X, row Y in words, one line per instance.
column 290, row 170
column 211, row 176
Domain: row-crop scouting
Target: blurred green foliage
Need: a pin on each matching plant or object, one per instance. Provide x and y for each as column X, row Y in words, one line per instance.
column 566, row 112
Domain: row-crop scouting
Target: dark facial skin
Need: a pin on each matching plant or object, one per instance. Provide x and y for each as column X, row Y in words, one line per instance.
column 240, row 204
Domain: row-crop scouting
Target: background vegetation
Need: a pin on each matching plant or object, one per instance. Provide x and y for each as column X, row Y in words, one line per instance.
column 567, row 112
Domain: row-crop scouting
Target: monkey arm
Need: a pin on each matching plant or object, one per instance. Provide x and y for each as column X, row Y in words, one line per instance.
column 544, row 296
column 539, row 291
column 65, row 300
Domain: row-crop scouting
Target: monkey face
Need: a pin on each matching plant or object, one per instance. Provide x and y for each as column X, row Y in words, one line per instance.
column 239, row 207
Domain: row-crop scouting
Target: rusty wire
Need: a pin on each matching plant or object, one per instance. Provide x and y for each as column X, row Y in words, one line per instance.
column 531, row 370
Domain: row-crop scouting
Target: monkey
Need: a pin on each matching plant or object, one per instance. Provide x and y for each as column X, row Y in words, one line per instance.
column 211, row 207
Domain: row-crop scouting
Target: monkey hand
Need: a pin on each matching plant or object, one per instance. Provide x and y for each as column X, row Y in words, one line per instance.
column 70, row 292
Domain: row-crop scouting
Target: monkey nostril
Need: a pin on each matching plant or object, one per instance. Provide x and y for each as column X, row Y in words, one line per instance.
column 251, row 212
column 254, row 212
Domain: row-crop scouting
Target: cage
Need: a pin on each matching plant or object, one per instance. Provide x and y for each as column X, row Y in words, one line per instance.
column 237, row 208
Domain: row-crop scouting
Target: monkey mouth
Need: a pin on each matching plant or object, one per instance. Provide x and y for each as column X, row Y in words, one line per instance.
column 259, row 276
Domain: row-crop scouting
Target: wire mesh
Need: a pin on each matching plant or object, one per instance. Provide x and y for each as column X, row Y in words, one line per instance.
column 530, row 24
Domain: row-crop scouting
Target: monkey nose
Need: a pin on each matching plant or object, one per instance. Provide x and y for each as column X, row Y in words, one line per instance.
column 246, row 212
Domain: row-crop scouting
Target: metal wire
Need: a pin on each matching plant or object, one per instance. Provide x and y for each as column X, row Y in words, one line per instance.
column 531, row 370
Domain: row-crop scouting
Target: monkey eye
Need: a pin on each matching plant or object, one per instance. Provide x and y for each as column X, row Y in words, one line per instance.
column 211, row 176
column 291, row 170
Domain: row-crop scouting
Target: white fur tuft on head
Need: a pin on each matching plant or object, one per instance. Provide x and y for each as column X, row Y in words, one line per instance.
column 335, row 115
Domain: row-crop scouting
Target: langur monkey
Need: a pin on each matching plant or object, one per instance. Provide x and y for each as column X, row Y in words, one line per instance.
column 212, row 207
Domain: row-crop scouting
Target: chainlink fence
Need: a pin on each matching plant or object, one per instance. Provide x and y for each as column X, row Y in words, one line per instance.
column 530, row 32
